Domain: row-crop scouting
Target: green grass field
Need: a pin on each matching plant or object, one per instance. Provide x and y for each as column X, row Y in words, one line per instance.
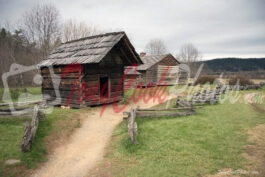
column 18, row 94
column 61, row 123
column 211, row 140
column 197, row 145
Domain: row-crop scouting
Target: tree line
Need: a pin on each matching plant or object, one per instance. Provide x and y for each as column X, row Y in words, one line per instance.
column 42, row 31
column 236, row 64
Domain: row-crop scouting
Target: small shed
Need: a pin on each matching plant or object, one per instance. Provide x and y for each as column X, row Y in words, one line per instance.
column 158, row 68
column 88, row 71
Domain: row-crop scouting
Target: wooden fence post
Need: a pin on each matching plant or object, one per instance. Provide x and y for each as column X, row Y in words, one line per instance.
column 30, row 130
column 132, row 125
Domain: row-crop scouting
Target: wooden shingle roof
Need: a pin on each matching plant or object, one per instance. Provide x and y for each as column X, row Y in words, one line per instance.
column 131, row 70
column 150, row 60
column 90, row 50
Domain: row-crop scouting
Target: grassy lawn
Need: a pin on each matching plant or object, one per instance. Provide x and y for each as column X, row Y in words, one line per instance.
column 198, row 145
column 58, row 125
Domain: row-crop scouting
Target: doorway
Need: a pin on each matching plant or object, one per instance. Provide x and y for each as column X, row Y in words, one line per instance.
column 104, row 87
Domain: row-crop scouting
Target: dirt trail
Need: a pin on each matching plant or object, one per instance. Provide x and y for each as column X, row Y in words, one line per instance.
column 254, row 154
column 248, row 97
column 86, row 146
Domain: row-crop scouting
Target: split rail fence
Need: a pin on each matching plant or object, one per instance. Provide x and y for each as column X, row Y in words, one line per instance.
column 26, row 110
column 184, row 107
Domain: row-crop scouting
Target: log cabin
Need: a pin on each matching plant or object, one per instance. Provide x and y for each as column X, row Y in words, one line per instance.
column 88, row 71
column 159, row 70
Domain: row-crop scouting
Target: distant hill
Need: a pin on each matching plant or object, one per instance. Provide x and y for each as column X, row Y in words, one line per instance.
column 235, row 64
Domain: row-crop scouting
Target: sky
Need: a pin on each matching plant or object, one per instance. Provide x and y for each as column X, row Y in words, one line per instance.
column 217, row 28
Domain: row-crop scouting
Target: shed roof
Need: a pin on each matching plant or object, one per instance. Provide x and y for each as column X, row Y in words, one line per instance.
column 90, row 49
column 150, row 60
column 131, row 70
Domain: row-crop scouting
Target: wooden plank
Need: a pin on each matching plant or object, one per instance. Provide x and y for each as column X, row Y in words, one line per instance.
column 21, row 103
column 92, row 83
column 170, row 109
column 115, row 88
column 7, row 109
column 63, row 101
column 123, row 53
column 91, row 77
column 67, row 76
column 60, row 69
column 21, row 113
column 115, row 81
column 51, row 86
column 116, row 75
column 63, row 84
column 116, row 94
column 91, row 102
column 92, row 98
column 61, row 81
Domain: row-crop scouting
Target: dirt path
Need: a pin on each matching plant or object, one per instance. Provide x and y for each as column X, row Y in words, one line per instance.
column 255, row 154
column 86, row 146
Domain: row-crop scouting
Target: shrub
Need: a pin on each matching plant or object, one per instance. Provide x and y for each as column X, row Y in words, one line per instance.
column 205, row 79
column 243, row 81
column 15, row 93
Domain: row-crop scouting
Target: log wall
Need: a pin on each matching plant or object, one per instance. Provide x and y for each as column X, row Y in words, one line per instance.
column 65, row 81
column 80, row 85
column 151, row 76
column 168, row 74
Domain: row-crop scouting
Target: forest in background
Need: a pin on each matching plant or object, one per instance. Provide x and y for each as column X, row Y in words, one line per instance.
column 252, row 68
column 39, row 32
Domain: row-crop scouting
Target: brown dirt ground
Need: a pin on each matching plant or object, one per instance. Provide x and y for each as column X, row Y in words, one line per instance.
column 76, row 155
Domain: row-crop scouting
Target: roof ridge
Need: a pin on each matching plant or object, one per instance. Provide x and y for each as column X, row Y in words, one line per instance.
column 150, row 60
column 157, row 55
column 95, row 36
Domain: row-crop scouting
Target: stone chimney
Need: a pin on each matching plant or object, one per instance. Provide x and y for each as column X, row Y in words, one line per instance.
column 142, row 54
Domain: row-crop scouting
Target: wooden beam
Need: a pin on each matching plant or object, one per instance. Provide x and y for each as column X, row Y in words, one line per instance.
column 130, row 48
column 123, row 53
column 142, row 114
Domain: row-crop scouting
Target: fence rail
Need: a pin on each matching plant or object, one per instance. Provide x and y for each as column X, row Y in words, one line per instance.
column 30, row 109
column 152, row 113
column 184, row 107
column 18, row 109
column 21, row 103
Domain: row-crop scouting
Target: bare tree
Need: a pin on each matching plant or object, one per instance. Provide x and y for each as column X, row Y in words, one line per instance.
column 189, row 55
column 42, row 26
column 155, row 47
column 74, row 30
